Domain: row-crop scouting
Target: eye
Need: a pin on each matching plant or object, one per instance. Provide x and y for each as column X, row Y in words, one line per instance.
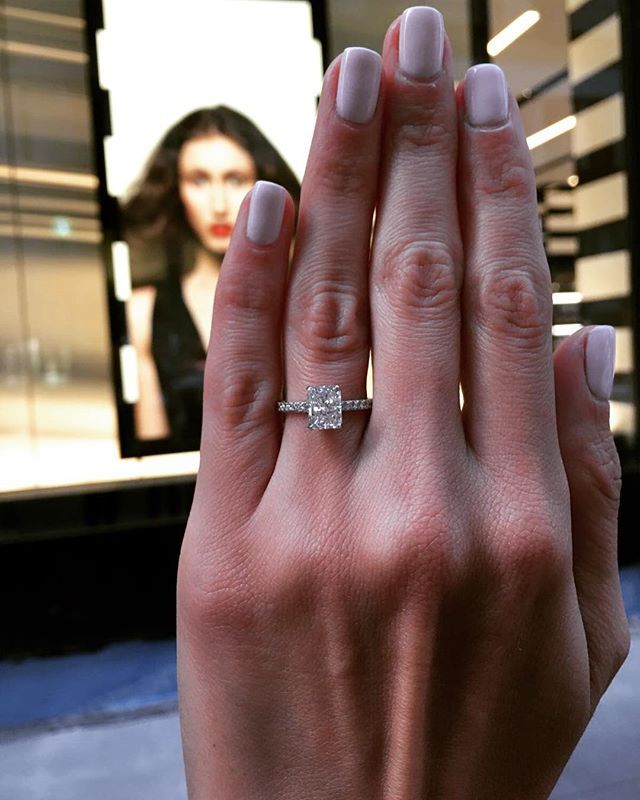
column 196, row 178
column 236, row 179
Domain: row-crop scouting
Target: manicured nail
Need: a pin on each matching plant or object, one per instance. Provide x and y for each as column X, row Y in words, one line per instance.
column 421, row 50
column 359, row 84
column 266, row 211
column 486, row 96
column 600, row 361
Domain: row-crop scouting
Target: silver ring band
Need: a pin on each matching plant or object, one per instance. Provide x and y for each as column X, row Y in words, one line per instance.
column 303, row 405
column 324, row 405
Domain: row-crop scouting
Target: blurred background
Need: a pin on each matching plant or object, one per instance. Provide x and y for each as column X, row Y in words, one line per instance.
column 89, row 540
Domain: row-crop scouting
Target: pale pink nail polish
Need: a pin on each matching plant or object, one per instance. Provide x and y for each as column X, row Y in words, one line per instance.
column 266, row 211
column 421, row 49
column 600, row 360
column 359, row 84
column 486, row 96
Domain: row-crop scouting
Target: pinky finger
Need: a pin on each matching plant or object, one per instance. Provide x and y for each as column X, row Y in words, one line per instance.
column 583, row 366
column 241, row 428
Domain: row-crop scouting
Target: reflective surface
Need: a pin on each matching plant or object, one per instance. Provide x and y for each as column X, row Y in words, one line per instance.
column 57, row 413
column 57, row 408
column 567, row 69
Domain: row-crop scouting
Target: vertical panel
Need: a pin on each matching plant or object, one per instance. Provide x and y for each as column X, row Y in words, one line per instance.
column 603, row 273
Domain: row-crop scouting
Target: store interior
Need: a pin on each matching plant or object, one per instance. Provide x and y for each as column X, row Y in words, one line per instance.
column 89, row 662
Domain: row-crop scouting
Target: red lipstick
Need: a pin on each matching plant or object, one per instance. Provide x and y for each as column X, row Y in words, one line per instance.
column 221, row 230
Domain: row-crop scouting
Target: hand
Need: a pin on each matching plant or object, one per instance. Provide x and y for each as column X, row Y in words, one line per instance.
column 425, row 603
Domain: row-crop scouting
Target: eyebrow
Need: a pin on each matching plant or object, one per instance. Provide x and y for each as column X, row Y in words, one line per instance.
column 203, row 171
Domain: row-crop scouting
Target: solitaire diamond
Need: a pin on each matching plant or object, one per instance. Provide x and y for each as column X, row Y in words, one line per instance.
column 325, row 407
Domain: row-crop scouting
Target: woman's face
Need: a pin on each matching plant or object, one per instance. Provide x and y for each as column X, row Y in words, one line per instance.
column 214, row 175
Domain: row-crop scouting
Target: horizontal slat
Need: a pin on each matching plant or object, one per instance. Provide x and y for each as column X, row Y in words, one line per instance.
column 599, row 125
column 604, row 276
column 589, row 15
column 594, row 51
column 601, row 202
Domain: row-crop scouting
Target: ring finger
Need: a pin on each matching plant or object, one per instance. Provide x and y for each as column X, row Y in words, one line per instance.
column 326, row 330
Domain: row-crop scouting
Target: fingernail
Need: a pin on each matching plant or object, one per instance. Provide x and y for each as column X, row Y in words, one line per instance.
column 421, row 50
column 266, row 211
column 359, row 84
column 600, row 361
column 486, row 96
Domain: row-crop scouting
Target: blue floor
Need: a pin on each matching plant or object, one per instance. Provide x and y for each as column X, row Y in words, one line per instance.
column 126, row 678
column 630, row 580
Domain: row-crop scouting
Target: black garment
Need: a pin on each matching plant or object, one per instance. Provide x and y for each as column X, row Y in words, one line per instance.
column 179, row 357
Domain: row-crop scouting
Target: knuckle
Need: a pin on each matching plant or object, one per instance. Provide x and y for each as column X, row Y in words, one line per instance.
column 220, row 601
column 333, row 320
column 602, row 466
column 511, row 303
column 220, row 608
column 533, row 550
column 245, row 396
column 345, row 173
column 415, row 132
column 505, row 177
column 419, row 276
column 242, row 299
column 422, row 118
column 416, row 555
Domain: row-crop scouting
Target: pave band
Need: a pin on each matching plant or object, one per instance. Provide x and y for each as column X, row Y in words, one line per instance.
column 303, row 405
column 324, row 405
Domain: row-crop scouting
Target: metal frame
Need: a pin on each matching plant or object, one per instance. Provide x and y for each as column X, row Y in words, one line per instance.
column 630, row 26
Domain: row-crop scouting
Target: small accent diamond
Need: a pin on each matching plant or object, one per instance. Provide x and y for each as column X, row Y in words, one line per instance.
column 325, row 407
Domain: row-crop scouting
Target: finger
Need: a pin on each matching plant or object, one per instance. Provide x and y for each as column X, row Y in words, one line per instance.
column 416, row 268
column 241, row 431
column 326, row 336
column 507, row 375
column 584, row 365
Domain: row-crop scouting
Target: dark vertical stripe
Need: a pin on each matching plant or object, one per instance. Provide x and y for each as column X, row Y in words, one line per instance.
column 479, row 16
column 630, row 24
column 109, row 216
column 321, row 28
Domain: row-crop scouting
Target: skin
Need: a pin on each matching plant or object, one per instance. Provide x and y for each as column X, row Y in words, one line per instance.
column 426, row 603
column 214, row 176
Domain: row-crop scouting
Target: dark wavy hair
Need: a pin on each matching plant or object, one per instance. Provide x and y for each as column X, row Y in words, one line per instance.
column 153, row 214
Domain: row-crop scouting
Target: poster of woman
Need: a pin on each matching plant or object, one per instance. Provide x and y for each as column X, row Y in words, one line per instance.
column 188, row 200
column 190, row 135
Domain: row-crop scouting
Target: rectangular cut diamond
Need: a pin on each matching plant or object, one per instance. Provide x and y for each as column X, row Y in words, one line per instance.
column 325, row 407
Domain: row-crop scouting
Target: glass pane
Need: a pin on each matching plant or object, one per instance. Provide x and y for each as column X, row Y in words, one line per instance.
column 566, row 69
column 15, row 388
column 57, row 411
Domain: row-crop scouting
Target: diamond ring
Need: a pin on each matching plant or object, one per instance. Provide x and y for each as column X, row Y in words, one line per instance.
column 324, row 405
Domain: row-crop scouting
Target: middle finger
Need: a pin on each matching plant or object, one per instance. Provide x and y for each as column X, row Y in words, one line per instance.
column 417, row 261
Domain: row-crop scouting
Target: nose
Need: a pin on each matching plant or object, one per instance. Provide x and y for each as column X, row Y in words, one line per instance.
column 218, row 199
